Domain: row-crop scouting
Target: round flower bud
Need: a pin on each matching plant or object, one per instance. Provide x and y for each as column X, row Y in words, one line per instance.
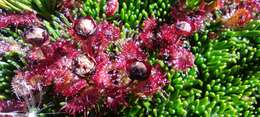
column 139, row 71
column 36, row 36
column 184, row 27
column 85, row 26
column 83, row 65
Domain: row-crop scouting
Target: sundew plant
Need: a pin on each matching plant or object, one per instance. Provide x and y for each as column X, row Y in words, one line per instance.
column 129, row 58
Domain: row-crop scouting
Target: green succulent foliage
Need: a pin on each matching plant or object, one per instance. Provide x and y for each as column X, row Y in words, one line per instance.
column 192, row 4
column 43, row 7
column 131, row 12
column 94, row 8
column 13, row 5
column 57, row 26
column 9, row 62
column 229, row 69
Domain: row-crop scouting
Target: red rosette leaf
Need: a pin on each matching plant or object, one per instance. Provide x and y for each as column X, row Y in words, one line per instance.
column 74, row 106
column 149, row 24
column 179, row 57
column 115, row 96
column 102, row 57
column 35, row 54
column 26, row 18
column 13, row 106
column 54, row 55
column 98, row 44
column 108, row 30
column 251, row 5
column 111, row 7
column 56, row 66
column 101, row 77
column 166, row 35
column 150, row 86
column 59, row 49
column 130, row 51
column 67, row 83
column 74, row 34
column 68, row 5
column 169, row 35
column 147, row 39
column 178, row 12
column 86, row 100
column 72, row 88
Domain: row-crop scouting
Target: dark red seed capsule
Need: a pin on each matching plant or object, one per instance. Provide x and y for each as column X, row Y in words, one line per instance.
column 139, row 70
column 151, row 85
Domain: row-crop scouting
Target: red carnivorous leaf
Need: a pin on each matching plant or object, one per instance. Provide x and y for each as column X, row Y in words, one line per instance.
column 18, row 19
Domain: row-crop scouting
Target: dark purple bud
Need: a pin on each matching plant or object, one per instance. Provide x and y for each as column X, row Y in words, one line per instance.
column 36, row 36
column 139, row 71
